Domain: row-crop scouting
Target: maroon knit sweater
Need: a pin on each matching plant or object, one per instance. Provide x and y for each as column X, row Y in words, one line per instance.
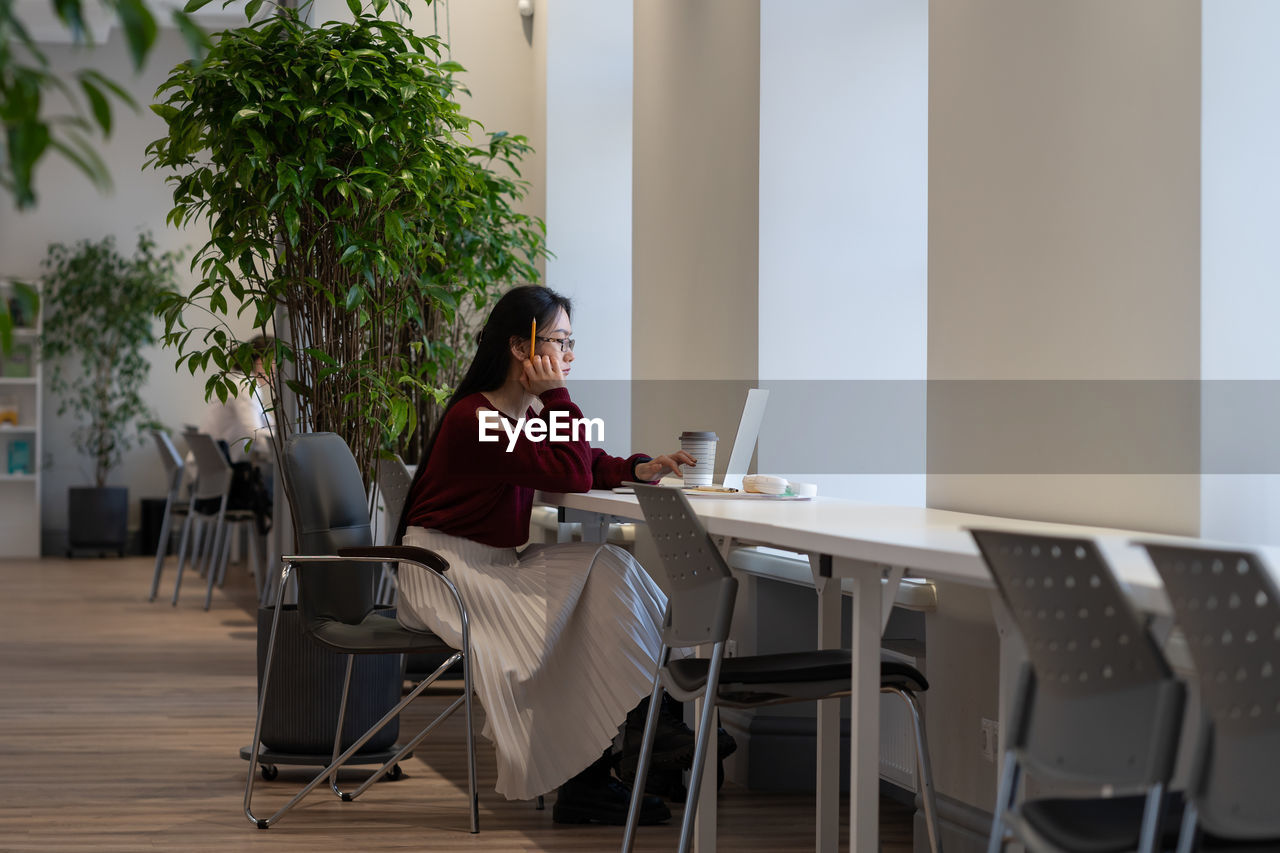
column 479, row 491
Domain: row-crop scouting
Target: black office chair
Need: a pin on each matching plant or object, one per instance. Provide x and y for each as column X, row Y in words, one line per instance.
column 1228, row 607
column 336, row 602
column 699, row 612
column 1096, row 708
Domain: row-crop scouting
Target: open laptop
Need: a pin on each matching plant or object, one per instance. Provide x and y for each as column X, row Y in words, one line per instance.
column 744, row 443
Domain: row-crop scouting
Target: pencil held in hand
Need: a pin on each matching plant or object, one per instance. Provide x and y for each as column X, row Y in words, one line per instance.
column 533, row 337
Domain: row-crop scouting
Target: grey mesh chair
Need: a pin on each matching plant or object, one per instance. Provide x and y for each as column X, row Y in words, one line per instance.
column 1228, row 607
column 394, row 481
column 1097, row 708
column 699, row 612
column 208, row 505
column 209, row 516
column 335, row 598
column 175, row 470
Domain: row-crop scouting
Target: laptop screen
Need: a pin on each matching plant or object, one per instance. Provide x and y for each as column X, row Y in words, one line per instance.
column 744, row 444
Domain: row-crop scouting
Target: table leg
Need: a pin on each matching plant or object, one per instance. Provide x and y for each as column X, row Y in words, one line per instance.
column 828, row 739
column 889, row 593
column 1013, row 654
column 564, row 530
column 864, row 712
column 595, row 525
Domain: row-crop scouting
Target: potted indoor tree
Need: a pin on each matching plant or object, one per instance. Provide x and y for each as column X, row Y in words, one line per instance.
column 354, row 220
column 350, row 215
column 98, row 308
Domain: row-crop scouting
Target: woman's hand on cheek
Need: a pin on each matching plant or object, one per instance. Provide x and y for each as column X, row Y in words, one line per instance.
column 660, row 466
column 541, row 373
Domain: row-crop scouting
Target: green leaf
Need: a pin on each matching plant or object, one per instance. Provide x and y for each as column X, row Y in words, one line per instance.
column 354, row 297
column 139, row 29
column 195, row 5
column 321, row 356
column 111, row 86
column 98, row 103
column 71, row 13
column 355, row 7
column 27, row 141
column 198, row 41
column 399, row 416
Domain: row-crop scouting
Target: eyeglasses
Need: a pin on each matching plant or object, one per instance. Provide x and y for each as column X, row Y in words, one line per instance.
column 566, row 344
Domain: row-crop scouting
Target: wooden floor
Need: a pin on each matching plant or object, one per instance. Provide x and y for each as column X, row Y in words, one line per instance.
column 121, row 723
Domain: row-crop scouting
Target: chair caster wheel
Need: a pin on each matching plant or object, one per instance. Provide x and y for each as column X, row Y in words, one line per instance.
column 269, row 773
column 395, row 773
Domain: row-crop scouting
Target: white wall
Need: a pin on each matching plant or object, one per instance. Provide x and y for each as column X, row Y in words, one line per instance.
column 1240, row 361
column 843, row 240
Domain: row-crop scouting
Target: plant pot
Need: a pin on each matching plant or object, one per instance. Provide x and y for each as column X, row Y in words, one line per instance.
column 306, row 685
column 99, row 518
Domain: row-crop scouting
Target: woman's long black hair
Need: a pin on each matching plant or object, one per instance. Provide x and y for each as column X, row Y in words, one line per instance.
column 510, row 318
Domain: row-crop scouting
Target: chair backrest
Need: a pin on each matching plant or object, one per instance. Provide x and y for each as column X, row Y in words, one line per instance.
column 394, row 481
column 1228, row 607
column 213, row 471
column 174, row 468
column 330, row 511
column 700, row 588
column 1100, row 705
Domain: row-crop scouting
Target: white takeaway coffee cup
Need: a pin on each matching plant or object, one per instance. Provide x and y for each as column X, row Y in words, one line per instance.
column 701, row 446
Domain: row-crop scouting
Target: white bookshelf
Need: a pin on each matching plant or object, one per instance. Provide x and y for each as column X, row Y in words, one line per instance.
column 20, row 490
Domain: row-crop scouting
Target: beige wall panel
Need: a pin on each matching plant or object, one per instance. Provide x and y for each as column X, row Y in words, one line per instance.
column 696, row 162
column 1064, row 232
column 505, row 57
column 962, row 666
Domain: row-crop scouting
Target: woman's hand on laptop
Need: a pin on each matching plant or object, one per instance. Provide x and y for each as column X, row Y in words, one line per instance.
column 660, row 466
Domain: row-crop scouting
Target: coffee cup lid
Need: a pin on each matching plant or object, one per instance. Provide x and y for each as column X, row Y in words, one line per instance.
column 698, row 436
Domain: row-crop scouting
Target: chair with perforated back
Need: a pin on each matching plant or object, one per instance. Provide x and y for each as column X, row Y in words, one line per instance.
column 1228, row 606
column 1097, row 708
column 210, row 521
column 208, row 505
column 702, row 592
column 175, row 471
column 335, row 580
column 394, row 482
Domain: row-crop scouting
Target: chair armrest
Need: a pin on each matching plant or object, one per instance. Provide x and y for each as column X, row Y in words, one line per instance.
column 426, row 557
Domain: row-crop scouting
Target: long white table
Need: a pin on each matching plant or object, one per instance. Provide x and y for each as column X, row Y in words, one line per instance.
column 865, row 543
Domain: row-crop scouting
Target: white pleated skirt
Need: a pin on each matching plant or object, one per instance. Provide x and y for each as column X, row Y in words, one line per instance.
column 564, row 642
